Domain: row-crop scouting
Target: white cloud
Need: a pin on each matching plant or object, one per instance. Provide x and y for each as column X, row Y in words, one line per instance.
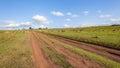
column 72, row 15
column 105, row 16
column 57, row 13
column 26, row 24
column 69, row 13
column 41, row 19
column 115, row 20
column 68, row 19
column 42, row 26
column 66, row 25
column 12, row 25
column 86, row 13
column 15, row 25
column 87, row 24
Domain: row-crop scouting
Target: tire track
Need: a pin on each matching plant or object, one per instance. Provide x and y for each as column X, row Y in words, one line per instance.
column 39, row 58
column 75, row 60
column 103, row 51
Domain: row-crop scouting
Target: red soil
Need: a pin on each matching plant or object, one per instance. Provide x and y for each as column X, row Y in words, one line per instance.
column 39, row 57
column 77, row 61
column 99, row 50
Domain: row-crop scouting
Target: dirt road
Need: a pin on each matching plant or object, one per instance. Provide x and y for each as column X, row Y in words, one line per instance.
column 99, row 50
column 75, row 60
column 39, row 56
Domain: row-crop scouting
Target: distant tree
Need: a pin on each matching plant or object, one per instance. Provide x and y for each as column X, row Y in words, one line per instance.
column 39, row 28
column 30, row 28
column 46, row 28
column 115, row 25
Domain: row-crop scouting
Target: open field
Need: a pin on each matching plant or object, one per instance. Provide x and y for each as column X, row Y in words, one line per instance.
column 15, row 50
column 52, row 48
column 60, row 34
column 108, row 36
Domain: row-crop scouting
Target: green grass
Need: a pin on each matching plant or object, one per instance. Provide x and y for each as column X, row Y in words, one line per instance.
column 106, row 62
column 108, row 36
column 16, row 51
column 57, row 58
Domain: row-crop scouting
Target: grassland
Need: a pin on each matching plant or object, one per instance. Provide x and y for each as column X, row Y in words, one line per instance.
column 15, row 50
column 108, row 36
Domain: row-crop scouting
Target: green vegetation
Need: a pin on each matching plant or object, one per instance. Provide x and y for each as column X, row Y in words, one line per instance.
column 108, row 36
column 6, row 35
column 57, row 58
column 15, row 50
column 106, row 62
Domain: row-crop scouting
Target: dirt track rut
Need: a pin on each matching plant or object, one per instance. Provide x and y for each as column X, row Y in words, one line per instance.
column 38, row 56
column 99, row 50
column 77, row 61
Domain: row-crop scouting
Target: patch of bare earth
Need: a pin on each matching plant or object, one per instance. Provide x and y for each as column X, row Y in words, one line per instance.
column 77, row 61
column 39, row 56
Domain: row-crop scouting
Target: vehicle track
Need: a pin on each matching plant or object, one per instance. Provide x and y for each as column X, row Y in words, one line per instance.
column 99, row 50
column 38, row 55
column 77, row 61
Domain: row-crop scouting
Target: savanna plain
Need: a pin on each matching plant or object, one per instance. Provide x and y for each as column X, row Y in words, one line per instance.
column 88, row 47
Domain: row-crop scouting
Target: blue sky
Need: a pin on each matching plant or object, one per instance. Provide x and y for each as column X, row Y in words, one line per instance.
column 18, row 14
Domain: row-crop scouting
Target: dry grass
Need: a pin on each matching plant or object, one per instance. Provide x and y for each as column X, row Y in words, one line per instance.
column 16, row 52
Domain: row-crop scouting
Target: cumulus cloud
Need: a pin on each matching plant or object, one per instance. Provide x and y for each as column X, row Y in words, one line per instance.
column 12, row 25
column 87, row 24
column 66, row 25
column 105, row 16
column 72, row 15
column 41, row 19
column 57, row 13
column 42, row 26
column 115, row 20
column 68, row 19
column 26, row 24
column 15, row 25
column 86, row 13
